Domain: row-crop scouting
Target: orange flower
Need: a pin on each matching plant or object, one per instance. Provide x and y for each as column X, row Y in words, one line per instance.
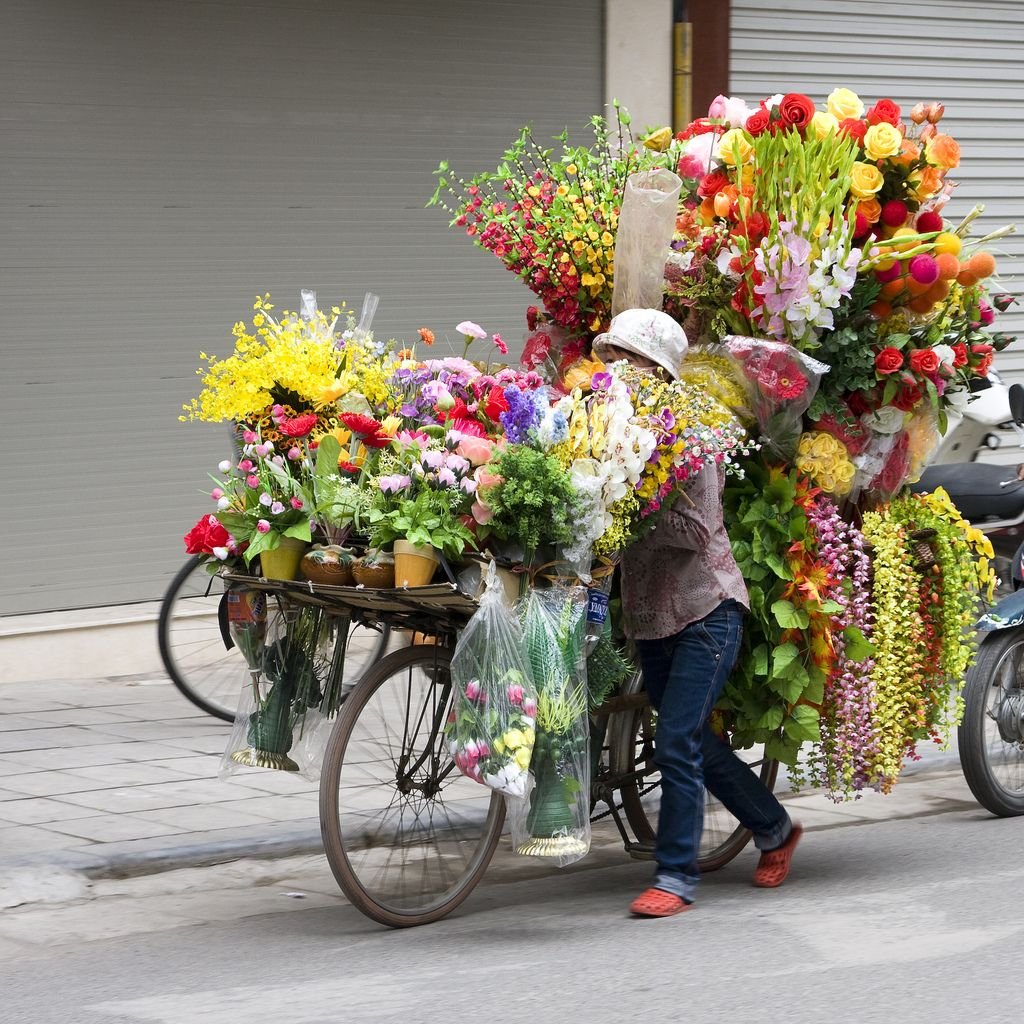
column 870, row 210
column 927, row 183
column 942, row 151
column 909, row 154
column 427, row 335
column 580, row 373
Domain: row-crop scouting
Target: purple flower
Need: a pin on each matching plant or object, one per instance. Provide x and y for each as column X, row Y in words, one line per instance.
column 432, row 459
column 277, row 508
column 601, row 381
column 266, row 499
column 457, row 463
column 445, row 477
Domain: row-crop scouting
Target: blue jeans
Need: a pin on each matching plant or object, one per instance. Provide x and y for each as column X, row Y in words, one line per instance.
column 685, row 675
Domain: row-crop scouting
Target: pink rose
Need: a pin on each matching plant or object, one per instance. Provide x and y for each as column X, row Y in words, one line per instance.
column 530, row 707
column 482, row 512
column 516, row 694
column 477, row 450
column 473, row 689
column 731, row 109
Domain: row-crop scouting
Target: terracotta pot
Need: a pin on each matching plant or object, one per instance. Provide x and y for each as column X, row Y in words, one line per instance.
column 375, row 570
column 283, row 562
column 415, row 564
column 328, row 563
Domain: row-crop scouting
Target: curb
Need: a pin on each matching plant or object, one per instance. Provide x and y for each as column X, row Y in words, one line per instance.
column 153, row 856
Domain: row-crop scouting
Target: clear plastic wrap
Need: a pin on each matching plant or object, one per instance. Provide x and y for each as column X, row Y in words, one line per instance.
column 643, row 240
column 554, row 822
column 293, row 684
column 491, row 727
column 781, row 382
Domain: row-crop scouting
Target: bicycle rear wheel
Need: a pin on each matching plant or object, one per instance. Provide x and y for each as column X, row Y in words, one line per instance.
column 193, row 652
column 407, row 836
column 632, row 760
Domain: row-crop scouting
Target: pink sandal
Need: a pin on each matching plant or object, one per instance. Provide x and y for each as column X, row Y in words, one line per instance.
column 658, row 903
column 773, row 867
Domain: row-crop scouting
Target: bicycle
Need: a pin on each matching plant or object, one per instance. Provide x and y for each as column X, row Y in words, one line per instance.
column 408, row 837
column 199, row 661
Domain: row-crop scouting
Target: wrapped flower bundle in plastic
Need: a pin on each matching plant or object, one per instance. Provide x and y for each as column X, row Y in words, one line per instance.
column 555, row 821
column 491, row 727
column 781, row 381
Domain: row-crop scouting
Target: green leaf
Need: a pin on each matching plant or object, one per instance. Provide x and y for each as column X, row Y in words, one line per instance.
column 790, row 617
column 891, row 387
column 300, row 531
column 759, row 660
column 783, row 656
column 327, row 454
column 802, row 724
column 858, row 647
column 771, row 719
column 830, row 607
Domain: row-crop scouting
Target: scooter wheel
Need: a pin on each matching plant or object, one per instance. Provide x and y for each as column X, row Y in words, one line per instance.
column 991, row 735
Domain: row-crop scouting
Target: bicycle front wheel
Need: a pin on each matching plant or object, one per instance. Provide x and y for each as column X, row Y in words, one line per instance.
column 406, row 834
column 632, row 760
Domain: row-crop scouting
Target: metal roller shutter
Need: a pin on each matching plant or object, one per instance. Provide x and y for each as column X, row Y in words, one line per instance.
column 969, row 56
column 163, row 162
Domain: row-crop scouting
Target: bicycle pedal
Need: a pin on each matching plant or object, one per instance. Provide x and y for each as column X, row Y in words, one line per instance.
column 640, row 851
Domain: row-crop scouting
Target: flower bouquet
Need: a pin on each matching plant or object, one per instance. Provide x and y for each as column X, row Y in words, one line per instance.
column 555, row 820
column 296, row 659
column 552, row 218
column 491, row 727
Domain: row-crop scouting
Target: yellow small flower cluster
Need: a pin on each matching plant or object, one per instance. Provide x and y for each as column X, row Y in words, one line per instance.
column 900, row 711
column 288, row 359
column 715, row 375
column 824, row 460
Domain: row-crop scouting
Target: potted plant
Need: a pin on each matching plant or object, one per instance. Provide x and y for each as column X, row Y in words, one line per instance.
column 418, row 507
column 264, row 503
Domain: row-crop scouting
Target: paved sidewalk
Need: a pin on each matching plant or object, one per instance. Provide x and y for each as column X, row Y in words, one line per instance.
column 118, row 777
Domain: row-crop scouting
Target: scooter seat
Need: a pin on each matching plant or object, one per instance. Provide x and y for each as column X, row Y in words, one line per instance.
column 976, row 490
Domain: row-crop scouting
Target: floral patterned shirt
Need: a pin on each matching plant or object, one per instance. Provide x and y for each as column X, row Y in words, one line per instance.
column 683, row 569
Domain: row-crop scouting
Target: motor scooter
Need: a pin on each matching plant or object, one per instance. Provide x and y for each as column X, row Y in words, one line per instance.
column 991, row 497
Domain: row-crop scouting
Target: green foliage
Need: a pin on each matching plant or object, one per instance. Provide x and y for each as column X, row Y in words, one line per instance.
column 535, row 503
column 431, row 517
column 771, row 695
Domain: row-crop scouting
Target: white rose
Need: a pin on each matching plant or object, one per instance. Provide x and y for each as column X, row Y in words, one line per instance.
column 886, row 420
column 945, row 353
column 957, row 399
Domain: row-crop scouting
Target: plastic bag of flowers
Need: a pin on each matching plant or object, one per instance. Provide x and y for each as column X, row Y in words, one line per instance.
column 781, row 381
column 554, row 822
column 286, row 688
column 491, row 727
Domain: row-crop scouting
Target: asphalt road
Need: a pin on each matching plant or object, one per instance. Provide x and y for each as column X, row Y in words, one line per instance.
column 896, row 920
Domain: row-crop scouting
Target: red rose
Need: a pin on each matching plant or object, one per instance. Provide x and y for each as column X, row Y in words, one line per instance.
column 206, row 535
column 985, row 353
column 758, row 121
column 711, row 184
column 846, row 428
column 924, row 360
column 908, row 396
column 796, row 110
column 960, row 355
column 754, row 228
column 884, row 110
column 889, row 360
column 853, row 128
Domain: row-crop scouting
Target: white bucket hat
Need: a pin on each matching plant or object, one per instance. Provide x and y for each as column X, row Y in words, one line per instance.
column 647, row 332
